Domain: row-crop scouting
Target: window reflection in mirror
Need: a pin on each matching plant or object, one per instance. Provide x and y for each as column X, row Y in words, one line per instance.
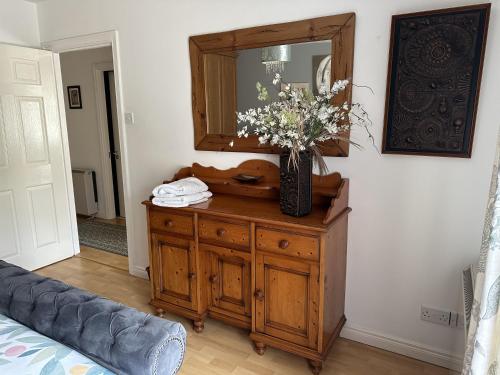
column 231, row 78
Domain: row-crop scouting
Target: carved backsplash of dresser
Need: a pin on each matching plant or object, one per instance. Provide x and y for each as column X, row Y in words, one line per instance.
column 238, row 259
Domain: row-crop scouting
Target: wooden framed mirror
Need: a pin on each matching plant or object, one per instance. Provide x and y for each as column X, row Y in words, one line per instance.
column 226, row 66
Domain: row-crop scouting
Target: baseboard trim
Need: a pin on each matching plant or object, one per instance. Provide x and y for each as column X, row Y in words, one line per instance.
column 139, row 272
column 404, row 347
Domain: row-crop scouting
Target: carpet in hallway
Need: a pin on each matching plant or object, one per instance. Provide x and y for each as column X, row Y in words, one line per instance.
column 103, row 236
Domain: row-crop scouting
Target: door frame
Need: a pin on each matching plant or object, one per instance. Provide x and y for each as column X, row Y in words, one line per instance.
column 66, row 154
column 91, row 41
column 102, row 124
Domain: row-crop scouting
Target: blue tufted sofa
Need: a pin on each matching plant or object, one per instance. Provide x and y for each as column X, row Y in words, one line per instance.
column 119, row 338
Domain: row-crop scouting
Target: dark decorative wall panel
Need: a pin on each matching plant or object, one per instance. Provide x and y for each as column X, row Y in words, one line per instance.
column 433, row 81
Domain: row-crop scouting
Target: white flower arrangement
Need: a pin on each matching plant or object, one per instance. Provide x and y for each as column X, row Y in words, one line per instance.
column 300, row 121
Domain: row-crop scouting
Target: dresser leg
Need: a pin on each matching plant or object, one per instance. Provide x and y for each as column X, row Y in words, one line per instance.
column 198, row 325
column 259, row 347
column 160, row 312
column 315, row 366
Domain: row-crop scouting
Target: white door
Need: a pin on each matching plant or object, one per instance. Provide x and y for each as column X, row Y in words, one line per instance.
column 35, row 227
column 116, row 135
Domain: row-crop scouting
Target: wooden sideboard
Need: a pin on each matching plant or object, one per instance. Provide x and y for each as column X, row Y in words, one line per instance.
column 238, row 259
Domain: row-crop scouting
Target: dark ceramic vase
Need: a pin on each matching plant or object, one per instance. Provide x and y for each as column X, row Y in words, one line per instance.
column 296, row 184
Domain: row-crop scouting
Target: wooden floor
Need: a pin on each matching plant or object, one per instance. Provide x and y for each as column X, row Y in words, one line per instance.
column 221, row 349
column 103, row 257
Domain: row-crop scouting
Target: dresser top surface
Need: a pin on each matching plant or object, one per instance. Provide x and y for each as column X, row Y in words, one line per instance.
column 252, row 209
column 259, row 202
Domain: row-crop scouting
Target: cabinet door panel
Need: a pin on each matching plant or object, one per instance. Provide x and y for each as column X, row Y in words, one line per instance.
column 230, row 280
column 290, row 287
column 174, row 261
column 286, row 299
column 175, row 270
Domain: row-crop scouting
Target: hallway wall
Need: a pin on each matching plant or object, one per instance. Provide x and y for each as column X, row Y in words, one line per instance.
column 83, row 130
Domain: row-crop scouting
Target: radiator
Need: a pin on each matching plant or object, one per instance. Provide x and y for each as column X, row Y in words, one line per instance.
column 85, row 189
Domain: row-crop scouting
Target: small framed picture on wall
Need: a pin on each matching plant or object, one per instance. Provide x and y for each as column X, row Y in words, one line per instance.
column 74, row 97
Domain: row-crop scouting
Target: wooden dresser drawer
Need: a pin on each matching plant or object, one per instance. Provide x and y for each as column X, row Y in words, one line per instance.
column 170, row 222
column 230, row 233
column 287, row 243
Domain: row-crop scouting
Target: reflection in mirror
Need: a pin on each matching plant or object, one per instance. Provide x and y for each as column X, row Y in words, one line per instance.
column 231, row 78
column 220, row 92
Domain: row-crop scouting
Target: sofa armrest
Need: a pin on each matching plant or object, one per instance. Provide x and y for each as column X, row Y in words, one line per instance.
column 117, row 337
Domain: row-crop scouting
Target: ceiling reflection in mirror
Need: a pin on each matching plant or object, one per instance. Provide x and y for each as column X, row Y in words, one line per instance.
column 231, row 78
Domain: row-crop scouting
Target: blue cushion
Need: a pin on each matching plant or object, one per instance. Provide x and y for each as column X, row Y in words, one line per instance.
column 119, row 338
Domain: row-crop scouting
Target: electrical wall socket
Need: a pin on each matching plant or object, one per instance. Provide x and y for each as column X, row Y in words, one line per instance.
column 435, row 316
column 446, row 318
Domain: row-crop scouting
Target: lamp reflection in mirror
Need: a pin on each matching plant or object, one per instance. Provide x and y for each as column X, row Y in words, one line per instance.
column 275, row 57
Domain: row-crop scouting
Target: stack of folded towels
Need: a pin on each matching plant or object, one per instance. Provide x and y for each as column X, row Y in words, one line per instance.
column 181, row 193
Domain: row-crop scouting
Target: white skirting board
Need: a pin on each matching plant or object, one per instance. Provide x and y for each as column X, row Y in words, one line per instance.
column 404, row 347
column 139, row 272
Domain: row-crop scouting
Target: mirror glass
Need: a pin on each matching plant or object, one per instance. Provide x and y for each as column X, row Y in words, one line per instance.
column 231, row 78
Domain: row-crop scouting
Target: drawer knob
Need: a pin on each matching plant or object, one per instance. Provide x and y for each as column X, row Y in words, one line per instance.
column 221, row 232
column 191, row 275
column 213, row 278
column 283, row 244
column 169, row 223
column 259, row 294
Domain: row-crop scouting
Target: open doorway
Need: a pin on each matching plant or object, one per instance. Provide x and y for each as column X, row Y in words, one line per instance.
column 94, row 143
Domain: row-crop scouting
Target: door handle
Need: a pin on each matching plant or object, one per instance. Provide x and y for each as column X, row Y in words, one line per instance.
column 115, row 154
column 259, row 294
column 283, row 244
column 213, row 278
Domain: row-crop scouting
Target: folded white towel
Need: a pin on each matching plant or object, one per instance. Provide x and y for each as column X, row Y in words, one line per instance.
column 189, row 185
column 161, row 202
column 181, row 199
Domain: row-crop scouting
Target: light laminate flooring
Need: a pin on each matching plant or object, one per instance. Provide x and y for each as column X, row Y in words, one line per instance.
column 221, row 349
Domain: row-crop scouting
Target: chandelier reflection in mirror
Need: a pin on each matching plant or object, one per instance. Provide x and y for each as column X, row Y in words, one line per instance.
column 275, row 57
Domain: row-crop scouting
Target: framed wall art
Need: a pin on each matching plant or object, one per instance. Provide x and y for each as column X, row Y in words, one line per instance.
column 434, row 76
column 74, row 97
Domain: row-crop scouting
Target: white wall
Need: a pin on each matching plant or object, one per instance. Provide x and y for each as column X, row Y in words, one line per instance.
column 83, row 129
column 19, row 23
column 416, row 221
